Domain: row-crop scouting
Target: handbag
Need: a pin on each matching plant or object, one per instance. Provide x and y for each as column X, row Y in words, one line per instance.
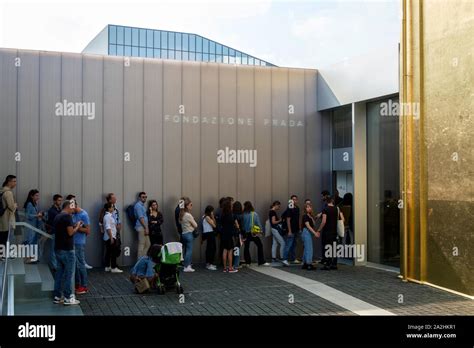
column 255, row 229
column 143, row 285
column 340, row 225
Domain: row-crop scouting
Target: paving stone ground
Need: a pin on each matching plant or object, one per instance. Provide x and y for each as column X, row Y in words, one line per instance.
column 251, row 293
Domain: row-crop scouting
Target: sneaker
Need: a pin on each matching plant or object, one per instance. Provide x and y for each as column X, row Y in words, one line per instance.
column 82, row 290
column 58, row 300
column 188, row 269
column 88, row 266
column 285, row 262
column 232, row 270
column 214, row 267
column 211, row 267
column 71, row 301
column 266, row 264
column 108, row 269
column 116, row 270
column 226, row 270
column 296, row 262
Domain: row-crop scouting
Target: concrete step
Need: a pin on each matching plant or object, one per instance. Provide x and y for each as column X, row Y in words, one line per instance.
column 44, row 306
column 47, row 279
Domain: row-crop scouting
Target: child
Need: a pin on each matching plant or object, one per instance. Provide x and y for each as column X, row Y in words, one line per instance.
column 145, row 266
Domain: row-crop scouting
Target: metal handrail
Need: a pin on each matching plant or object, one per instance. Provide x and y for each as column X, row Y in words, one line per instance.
column 5, row 272
column 27, row 225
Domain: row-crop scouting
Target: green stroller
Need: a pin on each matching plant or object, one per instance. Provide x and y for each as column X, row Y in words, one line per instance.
column 167, row 268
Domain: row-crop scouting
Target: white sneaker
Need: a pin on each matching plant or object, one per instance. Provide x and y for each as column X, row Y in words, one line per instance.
column 58, row 300
column 71, row 301
column 88, row 267
column 108, row 269
column 211, row 267
column 285, row 262
column 116, row 270
column 266, row 264
column 189, row 269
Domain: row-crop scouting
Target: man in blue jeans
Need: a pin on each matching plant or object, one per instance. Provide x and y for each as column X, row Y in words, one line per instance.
column 52, row 213
column 79, row 247
column 66, row 259
column 292, row 216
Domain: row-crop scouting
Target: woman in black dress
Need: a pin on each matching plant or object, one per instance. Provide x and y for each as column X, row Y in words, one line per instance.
column 155, row 220
column 227, row 238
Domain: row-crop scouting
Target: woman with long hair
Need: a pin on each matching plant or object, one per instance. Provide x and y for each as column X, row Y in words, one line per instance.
column 251, row 219
column 209, row 234
column 34, row 217
column 276, row 232
column 188, row 225
column 155, row 220
column 227, row 238
column 307, row 237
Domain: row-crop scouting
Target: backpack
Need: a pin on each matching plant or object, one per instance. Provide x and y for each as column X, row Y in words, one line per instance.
column 2, row 208
column 130, row 211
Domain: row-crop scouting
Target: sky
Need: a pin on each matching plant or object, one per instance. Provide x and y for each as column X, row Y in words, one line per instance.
column 301, row 33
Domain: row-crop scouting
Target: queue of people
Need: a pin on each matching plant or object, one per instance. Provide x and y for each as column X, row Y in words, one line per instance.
column 233, row 224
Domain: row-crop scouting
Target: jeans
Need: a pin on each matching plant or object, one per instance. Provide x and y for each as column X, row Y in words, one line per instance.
column 188, row 240
column 249, row 238
column 111, row 254
column 277, row 239
column 290, row 241
column 308, row 247
column 81, row 271
column 210, row 237
column 143, row 242
column 53, row 263
column 65, row 272
column 236, row 253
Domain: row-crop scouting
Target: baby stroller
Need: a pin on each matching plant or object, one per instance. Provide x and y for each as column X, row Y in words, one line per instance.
column 167, row 269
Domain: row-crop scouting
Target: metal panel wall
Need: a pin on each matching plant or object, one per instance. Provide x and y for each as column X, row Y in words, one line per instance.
column 171, row 118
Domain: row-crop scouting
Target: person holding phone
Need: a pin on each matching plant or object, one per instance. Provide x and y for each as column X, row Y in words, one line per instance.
column 155, row 220
column 110, row 238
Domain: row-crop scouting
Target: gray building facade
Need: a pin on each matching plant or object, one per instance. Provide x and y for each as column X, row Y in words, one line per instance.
column 89, row 125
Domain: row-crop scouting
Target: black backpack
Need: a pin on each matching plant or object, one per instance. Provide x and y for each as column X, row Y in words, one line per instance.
column 2, row 208
column 131, row 214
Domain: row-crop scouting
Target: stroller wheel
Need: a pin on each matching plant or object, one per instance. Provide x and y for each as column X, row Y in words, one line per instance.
column 179, row 289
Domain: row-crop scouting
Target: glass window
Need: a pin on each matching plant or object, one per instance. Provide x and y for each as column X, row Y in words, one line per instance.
column 257, row 61
column 120, row 35
column 212, row 47
column 262, row 63
column 205, row 46
column 232, row 60
column 342, row 128
column 185, row 42
column 218, row 58
column 157, row 53
column 244, row 59
column 156, row 39
column 134, row 51
column 128, row 36
column 212, row 57
column 251, row 60
column 149, row 38
column 171, row 40
column 149, row 52
column 205, row 57
column 192, row 43
column 198, row 44
column 119, row 50
column 383, row 186
column 135, row 41
column 238, row 57
column 226, row 51
column 142, row 52
column 128, row 51
column 218, row 49
column 199, row 57
column 171, row 54
column 226, row 59
column 113, row 50
column 142, row 37
column 164, row 54
column 231, row 52
column 178, row 55
column 192, row 56
column 178, row 41
column 164, row 39
column 112, row 34
column 185, row 56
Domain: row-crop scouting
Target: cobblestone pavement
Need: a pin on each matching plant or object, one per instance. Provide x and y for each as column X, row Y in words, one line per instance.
column 384, row 289
column 206, row 293
column 251, row 293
